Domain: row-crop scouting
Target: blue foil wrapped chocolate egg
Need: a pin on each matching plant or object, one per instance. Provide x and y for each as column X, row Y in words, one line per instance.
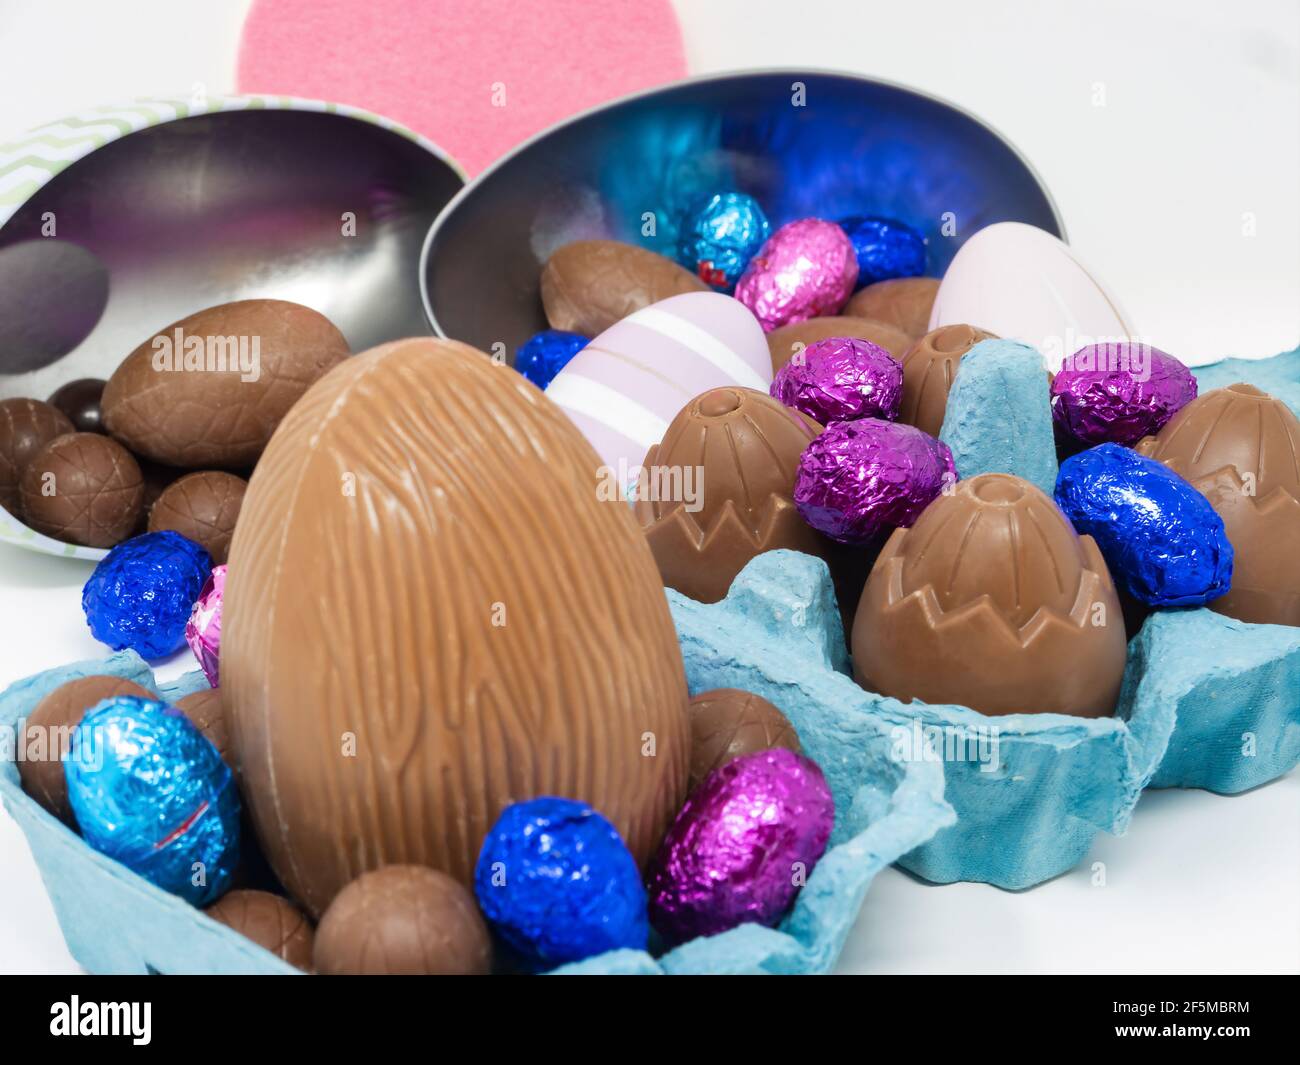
column 556, row 882
column 719, row 238
column 141, row 593
column 1160, row 537
column 544, row 354
column 885, row 248
column 149, row 790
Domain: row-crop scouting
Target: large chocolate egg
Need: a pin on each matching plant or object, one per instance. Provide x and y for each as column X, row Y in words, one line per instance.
column 210, row 389
column 717, row 490
column 1240, row 448
column 990, row 600
column 432, row 612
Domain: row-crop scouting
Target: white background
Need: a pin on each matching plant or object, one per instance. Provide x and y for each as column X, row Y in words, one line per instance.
column 1199, row 127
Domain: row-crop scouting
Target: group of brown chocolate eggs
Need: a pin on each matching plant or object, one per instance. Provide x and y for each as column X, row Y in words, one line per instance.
column 166, row 443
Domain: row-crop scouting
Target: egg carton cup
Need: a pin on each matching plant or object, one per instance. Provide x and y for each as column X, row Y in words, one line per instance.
column 116, row 922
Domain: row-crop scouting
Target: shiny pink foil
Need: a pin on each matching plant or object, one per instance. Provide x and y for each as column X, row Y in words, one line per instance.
column 840, row 379
column 805, row 270
column 861, row 479
column 203, row 630
column 745, row 842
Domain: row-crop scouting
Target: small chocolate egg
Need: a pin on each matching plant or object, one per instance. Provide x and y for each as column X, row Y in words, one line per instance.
column 26, row 426
column 204, row 709
column 272, row 922
column 210, row 389
column 80, row 401
column 992, row 601
column 727, row 723
column 47, row 737
column 929, row 367
column 589, row 285
column 403, row 920
column 903, row 302
column 789, row 340
column 203, row 507
column 83, row 488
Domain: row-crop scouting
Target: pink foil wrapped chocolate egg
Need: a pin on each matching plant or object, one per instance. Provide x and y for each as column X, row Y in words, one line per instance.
column 203, row 630
column 746, row 840
column 807, row 269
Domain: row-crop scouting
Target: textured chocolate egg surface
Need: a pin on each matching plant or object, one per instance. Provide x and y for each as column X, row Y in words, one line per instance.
column 992, row 601
column 272, row 922
column 717, row 490
column 83, row 488
column 727, row 723
column 26, row 426
column 210, row 389
column 1240, row 447
column 203, row 506
column 589, row 285
column 431, row 613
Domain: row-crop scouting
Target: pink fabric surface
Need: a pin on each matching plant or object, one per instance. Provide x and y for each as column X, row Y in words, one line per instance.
column 435, row 65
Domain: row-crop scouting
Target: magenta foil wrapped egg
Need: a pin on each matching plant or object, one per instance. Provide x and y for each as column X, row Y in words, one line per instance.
column 859, row 480
column 840, row 379
column 203, row 630
column 1119, row 392
column 806, row 269
column 740, row 849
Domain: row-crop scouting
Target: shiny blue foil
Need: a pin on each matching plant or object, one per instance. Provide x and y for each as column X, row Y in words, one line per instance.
column 544, row 354
column 556, row 882
column 150, row 791
column 142, row 591
column 885, row 249
column 1160, row 537
column 721, row 236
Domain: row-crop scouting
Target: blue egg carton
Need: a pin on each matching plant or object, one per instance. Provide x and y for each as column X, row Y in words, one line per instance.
column 116, row 922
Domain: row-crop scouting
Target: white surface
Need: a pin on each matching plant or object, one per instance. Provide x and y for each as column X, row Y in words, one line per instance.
column 1201, row 124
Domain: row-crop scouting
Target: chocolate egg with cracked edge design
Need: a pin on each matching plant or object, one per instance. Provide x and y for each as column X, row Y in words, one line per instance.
column 272, row 922
column 49, row 734
column 1240, row 448
column 992, row 601
column 26, row 426
column 175, row 404
column 424, row 563
column 740, row 448
column 727, row 723
column 83, row 488
column 202, row 506
column 589, row 285
column 903, row 302
column 929, row 367
column 403, row 920
column 786, row 342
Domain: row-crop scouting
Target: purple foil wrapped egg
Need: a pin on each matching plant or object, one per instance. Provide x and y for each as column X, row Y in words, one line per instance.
column 1119, row 392
column 805, row 270
column 840, row 379
column 203, row 630
column 859, row 480
column 746, row 840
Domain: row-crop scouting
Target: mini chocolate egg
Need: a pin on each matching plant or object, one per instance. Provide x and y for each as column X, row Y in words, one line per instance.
column 903, row 302
column 47, row 737
column 727, row 723
column 589, row 285
column 26, row 426
column 1240, row 448
column 210, row 389
column 403, row 920
column 991, row 601
column 1021, row 283
column 83, row 488
column 203, row 507
column 929, row 367
column 789, row 340
column 272, row 922
column 623, row 388
column 716, row 491
column 204, row 709
column 80, row 401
